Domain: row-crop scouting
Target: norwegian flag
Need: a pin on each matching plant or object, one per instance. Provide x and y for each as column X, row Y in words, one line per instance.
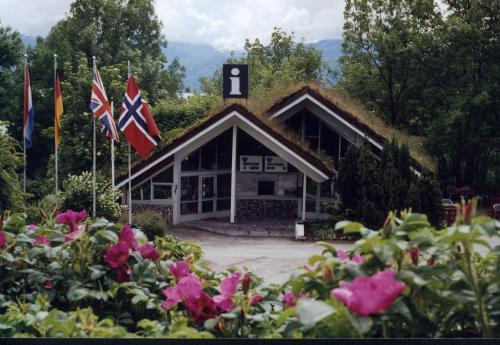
column 100, row 106
column 136, row 121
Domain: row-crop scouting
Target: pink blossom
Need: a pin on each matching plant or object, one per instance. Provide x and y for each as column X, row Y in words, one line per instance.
column 123, row 274
column 179, row 269
column 117, row 255
column 148, row 251
column 3, row 239
column 31, row 228
column 127, row 236
column 369, row 295
column 190, row 287
column 227, row 289
column 342, row 255
column 41, row 241
column 48, row 284
column 290, row 299
column 71, row 218
column 256, row 300
column 201, row 309
column 245, row 284
column 73, row 235
column 358, row 259
column 414, row 254
column 173, row 297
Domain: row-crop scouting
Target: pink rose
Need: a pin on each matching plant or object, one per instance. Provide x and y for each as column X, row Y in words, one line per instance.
column 48, row 284
column 179, row 269
column 31, row 228
column 127, row 236
column 117, row 255
column 148, row 251
column 3, row 239
column 41, row 241
column 290, row 299
column 369, row 295
column 256, row 300
column 71, row 218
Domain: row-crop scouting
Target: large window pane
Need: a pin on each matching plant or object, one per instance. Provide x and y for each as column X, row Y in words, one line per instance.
column 208, row 156
column 162, row 192
column 189, row 188
column 224, row 186
column 165, row 176
column 191, row 162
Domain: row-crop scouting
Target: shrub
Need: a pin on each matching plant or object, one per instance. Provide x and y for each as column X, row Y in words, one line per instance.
column 151, row 223
column 77, row 195
column 11, row 196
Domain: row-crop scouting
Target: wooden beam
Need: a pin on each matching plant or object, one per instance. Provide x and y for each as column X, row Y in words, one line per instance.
column 233, row 175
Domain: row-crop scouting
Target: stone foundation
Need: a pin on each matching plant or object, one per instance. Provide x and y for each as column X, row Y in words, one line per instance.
column 266, row 208
column 167, row 211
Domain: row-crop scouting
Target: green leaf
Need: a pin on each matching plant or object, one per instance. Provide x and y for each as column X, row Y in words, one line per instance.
column 107, row 235
column 311, row 312
column 285, row 314
column 401, row 308
column 362, row 324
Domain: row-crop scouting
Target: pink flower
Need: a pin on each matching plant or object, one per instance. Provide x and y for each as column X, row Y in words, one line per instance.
column 127, row 236
column 148, row 251
column 71, row 218
column 290, row 299
column 227, row 289
column 3, row 239
column 414, row 253
column 190, row 287
column 123, row 274
column 48, row 284
column 179, row 269
column 73, row 235
column 117, row 255
column 369, row 295
column 358, row 259
column 173, row 297
column 256, row 300
column 41, row 241
column 342, row 255
column 31, row 228
column 201, row 309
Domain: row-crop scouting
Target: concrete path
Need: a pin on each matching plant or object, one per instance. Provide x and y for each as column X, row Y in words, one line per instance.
column 273, row 259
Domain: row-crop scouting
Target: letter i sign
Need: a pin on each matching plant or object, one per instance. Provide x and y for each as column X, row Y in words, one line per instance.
column 235, row 81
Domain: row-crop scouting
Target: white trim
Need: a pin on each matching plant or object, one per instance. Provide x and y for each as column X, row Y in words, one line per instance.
column 329, row 111
column 233, row 175
column 228, row 117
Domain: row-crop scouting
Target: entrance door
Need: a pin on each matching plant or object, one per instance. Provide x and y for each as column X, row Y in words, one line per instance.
column 207, row 194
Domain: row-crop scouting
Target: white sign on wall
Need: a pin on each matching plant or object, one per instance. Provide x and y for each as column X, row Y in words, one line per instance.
column 251, row 163
column 275, row 164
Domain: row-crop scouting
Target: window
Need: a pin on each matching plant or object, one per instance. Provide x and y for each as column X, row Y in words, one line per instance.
column 224, row 149
column 208, row 156
column 266, row 188
column 162, row 184
column 191, row 162
column 142, row 192
column 189, row 194
column 162, row 192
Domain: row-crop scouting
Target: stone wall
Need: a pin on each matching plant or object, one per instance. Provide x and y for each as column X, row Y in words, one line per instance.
column 167, row 211
column 266, row 208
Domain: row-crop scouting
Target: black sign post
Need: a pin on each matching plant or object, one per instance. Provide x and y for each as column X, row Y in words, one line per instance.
column 234, row 81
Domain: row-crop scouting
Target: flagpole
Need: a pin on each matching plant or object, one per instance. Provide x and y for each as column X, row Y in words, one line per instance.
column 55, row 125
column 24, row 127
column 129, row 196
column 93, row 153
column 112, row 149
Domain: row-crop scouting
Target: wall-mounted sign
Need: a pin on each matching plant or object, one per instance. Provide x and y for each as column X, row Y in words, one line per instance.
column 251, row 163
column 275, row 164
column 234, row 81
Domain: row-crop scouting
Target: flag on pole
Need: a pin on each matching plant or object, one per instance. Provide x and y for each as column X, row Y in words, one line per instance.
column 136, row 121
column 58, row 110
column 29, row 112
column 101, row 109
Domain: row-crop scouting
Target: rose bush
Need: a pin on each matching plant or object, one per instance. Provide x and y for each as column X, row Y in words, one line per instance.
column 71, row 276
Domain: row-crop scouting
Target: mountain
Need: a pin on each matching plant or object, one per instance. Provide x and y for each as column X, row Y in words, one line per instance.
column 28, row 40
column 202, row 60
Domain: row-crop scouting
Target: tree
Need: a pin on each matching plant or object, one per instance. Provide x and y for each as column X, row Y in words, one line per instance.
column 10, row 164
column 283, row 59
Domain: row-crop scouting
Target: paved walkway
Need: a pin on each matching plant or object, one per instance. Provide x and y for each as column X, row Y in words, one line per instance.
column 273, row 259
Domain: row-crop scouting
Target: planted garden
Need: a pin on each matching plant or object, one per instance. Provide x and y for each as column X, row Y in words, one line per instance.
column 71, row 276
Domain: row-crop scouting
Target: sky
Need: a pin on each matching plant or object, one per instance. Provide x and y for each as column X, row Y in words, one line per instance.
column 224, row 24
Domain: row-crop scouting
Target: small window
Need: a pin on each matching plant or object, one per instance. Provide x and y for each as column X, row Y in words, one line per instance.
column 142, row 192
column 266, row 188
column 191, row 162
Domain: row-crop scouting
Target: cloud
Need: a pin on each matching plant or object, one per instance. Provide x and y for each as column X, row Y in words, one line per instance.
column 224, row 24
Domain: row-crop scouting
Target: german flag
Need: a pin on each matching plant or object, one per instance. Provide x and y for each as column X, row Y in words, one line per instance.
column 58, row 110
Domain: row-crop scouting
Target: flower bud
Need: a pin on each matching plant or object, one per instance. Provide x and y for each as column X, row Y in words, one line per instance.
column 246, row 282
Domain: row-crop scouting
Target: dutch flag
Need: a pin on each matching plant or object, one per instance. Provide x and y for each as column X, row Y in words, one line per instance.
column 29, row 112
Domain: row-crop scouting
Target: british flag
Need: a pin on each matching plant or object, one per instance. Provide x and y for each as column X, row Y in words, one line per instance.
column 100, row 106
column 136, row 121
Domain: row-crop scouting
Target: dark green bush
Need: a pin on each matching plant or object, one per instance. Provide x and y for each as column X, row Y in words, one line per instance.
column 151, row 223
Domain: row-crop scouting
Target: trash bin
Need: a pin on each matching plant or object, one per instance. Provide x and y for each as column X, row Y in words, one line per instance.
column 299, row 230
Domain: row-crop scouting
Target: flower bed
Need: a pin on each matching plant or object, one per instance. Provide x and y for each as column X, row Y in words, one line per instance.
column 74, row 277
